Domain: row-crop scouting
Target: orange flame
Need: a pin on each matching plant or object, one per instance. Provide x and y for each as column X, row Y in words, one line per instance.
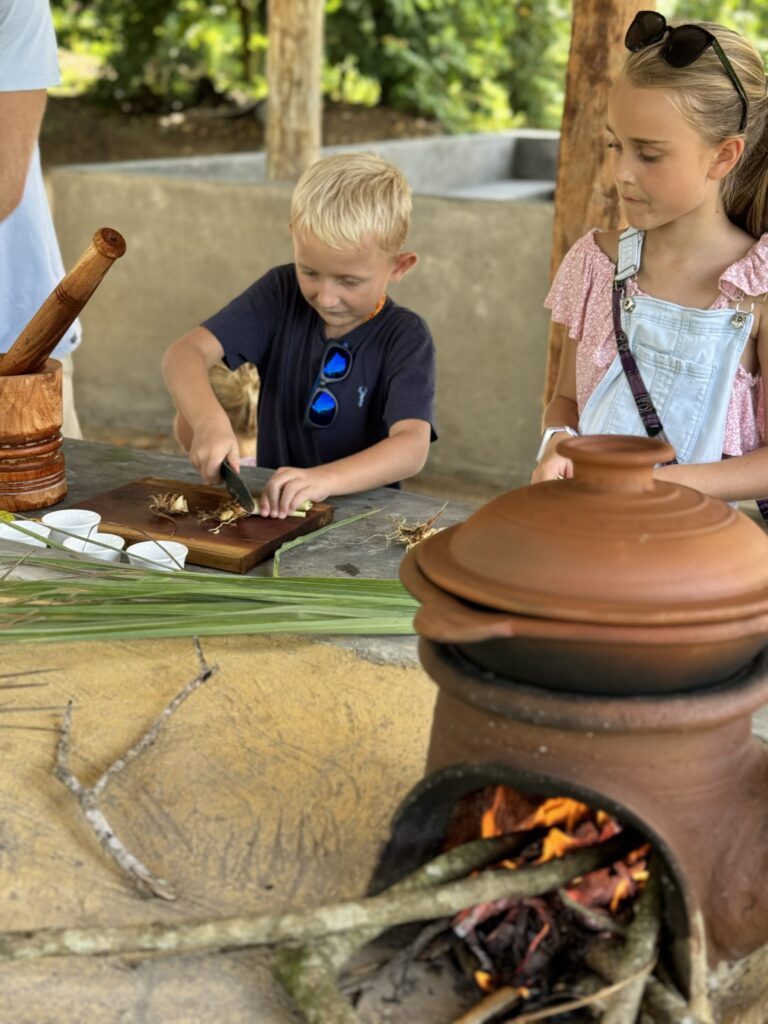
column 489, row 825
column 555, row 844
column 557, row 811
column 485, row 981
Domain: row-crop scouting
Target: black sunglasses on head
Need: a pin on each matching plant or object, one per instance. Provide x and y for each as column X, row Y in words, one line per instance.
column 323, row 405
column 684, row 45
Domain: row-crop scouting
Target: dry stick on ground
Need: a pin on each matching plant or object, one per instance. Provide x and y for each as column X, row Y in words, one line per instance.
column 382, row 911
column 308, row 972
column 88, row 796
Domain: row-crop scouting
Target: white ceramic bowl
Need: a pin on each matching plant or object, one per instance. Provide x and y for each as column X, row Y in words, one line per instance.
column 8, row 532
column 105, row 546
column 71, row 522
column 166, row 555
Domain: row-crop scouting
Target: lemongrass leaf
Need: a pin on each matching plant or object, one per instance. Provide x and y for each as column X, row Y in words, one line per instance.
column 316, row 533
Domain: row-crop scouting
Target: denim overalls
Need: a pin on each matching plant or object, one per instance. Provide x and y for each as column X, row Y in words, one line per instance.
column 687, row 359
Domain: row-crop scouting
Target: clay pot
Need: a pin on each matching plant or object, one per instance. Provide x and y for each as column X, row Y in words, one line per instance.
column 612, row 582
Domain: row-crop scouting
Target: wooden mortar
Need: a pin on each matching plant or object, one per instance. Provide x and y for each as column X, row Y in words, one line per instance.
column 32, row 473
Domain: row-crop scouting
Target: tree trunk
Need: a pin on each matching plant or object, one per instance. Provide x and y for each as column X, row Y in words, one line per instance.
column 585, row 196
column 294, row 106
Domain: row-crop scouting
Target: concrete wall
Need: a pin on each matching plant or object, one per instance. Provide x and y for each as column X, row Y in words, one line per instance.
column 194, row 242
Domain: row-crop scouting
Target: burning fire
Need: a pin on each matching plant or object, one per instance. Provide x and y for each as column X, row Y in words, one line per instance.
column 567, row 824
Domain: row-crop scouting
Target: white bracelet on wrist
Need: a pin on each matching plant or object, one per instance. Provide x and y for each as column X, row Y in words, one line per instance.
column 547, row 437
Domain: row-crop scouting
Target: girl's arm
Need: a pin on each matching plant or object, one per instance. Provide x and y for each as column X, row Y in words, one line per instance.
column 562, row 411
column 742, row 478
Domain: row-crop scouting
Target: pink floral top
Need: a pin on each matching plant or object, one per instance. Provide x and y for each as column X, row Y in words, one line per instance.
column 580, row 298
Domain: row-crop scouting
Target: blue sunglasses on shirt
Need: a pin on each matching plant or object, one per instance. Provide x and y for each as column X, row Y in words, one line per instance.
column 323, row 405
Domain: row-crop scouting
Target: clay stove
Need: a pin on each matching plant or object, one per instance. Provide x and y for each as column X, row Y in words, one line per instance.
column 605, row 723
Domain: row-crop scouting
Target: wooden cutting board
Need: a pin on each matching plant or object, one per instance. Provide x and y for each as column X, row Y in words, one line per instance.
column 125, row 511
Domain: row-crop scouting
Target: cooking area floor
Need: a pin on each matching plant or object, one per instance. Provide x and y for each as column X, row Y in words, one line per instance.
column 272, row 788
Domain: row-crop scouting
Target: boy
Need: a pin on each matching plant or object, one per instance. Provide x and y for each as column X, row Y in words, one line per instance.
column 347, row 375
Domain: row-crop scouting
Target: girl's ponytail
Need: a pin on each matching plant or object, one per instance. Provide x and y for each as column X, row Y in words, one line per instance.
column 745, row 190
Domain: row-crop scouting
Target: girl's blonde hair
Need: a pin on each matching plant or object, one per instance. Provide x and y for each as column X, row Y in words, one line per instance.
column 238, row 392
column 349, row 199
column 708, row 100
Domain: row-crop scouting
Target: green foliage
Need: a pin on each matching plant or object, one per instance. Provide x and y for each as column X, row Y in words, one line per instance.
column 164, row 49
column 750, row 17
column 473, row 64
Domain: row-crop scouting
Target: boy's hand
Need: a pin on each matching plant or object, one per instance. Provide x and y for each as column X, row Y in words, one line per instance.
column 211, row 444
column 289, row 486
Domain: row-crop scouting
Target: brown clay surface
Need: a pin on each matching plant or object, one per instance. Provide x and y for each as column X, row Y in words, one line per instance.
column 271, row 788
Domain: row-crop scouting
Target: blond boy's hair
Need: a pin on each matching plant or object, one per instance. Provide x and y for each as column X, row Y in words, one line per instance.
column 238, row 393
column 349, row 199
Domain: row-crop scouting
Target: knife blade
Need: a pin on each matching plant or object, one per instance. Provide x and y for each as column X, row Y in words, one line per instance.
column 237, row 488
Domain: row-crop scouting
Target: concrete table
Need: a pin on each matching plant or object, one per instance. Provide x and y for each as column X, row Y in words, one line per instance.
column 358, row 549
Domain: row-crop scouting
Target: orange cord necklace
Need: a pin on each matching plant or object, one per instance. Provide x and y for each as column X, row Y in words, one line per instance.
column 379, row 307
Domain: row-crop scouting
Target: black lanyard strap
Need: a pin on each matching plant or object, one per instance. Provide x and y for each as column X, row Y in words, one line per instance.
column 643, row 401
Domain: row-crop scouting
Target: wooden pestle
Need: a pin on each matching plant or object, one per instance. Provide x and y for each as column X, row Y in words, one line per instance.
column 47, row 327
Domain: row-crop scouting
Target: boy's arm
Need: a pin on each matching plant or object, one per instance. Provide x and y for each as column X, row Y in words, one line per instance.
column 399, row 456
column 203, row 427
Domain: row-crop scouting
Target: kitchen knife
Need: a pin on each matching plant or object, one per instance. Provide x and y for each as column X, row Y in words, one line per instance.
column 237, row 488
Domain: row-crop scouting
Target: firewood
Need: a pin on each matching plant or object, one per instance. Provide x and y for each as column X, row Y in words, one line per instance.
column 666, row 1006
column 308, row 972
column 381, row 911
column 634, row 957
column 489, row 1008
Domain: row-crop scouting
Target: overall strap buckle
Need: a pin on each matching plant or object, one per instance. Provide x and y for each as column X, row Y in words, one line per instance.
column 630, row 253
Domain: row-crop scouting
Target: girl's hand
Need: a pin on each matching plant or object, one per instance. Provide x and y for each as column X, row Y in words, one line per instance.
column 289, row 487
column 552, row 467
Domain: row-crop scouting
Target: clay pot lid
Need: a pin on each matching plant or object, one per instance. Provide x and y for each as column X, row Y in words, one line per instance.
column 610, row 545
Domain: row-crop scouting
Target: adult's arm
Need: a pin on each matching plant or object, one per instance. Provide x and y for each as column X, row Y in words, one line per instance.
column 21, row 114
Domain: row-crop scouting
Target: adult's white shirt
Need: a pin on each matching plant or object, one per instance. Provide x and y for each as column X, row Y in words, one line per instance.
column 30, row 259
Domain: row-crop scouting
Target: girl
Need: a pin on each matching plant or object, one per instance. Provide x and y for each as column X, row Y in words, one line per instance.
column 668, row 317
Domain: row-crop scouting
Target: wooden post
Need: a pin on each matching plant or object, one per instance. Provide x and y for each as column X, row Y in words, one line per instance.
column 585, row 196
column 294, row 68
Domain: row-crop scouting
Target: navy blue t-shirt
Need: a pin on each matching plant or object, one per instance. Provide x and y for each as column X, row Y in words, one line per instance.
column 392, row 377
